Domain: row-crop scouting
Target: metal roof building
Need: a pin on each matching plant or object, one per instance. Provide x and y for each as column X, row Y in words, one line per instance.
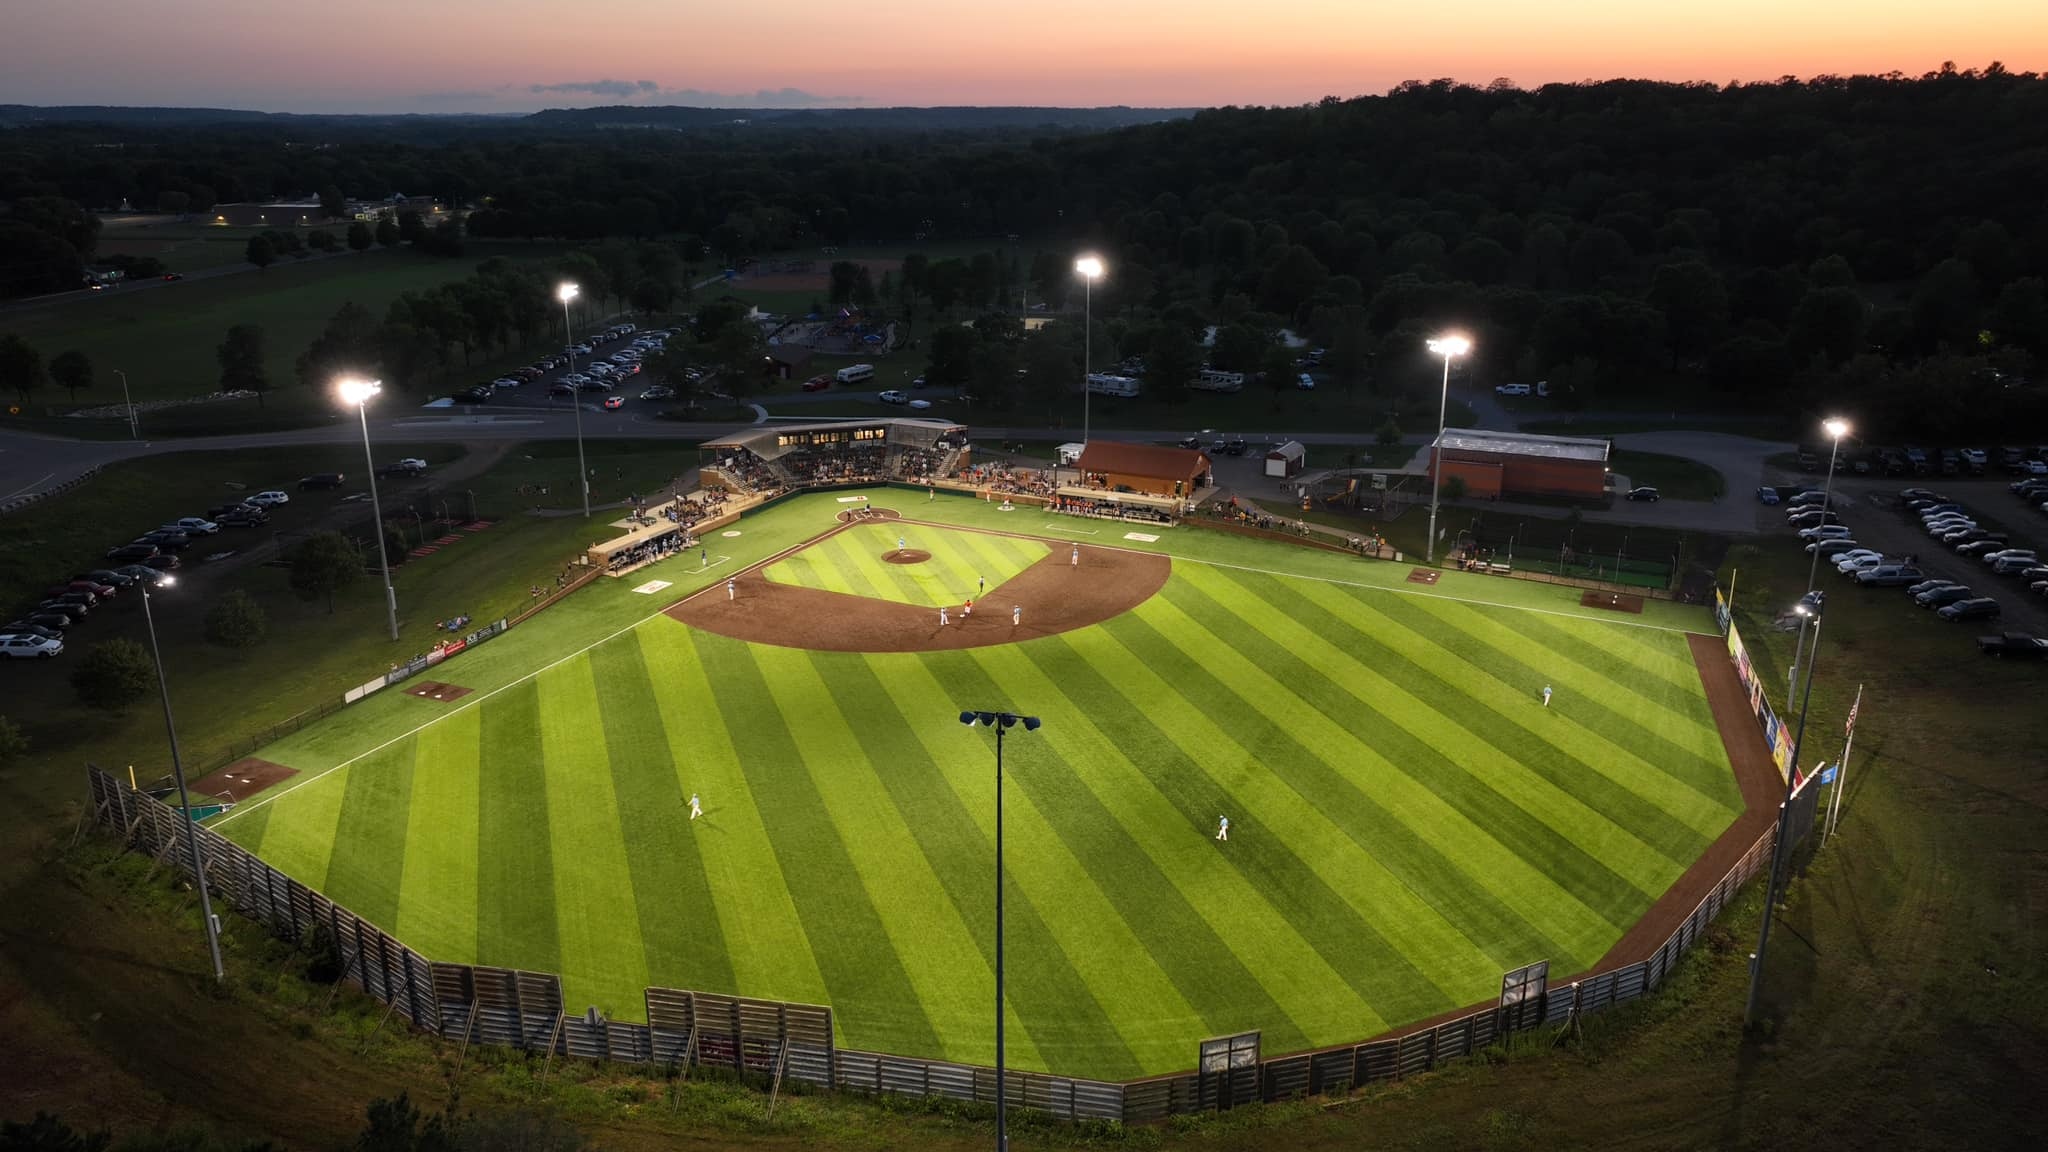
column 1497, row 465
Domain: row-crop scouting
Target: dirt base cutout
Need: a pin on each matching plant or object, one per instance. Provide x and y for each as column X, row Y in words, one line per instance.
column 867, row 515
column 906, row 556
column 1055, row 595
column 1422, row 575
column 1612, row 601
column 242, row 779
column 436, row 690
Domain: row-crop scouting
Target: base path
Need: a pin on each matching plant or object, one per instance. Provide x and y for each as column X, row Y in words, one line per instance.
column 1056, row 597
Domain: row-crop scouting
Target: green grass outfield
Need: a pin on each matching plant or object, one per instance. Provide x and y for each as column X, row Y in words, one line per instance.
column 1407, row 820
column 855, row 562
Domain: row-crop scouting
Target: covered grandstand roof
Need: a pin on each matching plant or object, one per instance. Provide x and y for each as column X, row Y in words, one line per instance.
column 1525, row 444
column 771, row 440
column 1149, row 460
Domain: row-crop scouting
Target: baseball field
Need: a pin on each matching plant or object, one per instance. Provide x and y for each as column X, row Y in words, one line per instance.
column 1407, row 817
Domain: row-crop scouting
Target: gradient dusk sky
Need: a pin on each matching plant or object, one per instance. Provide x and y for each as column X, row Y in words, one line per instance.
column 519, row 55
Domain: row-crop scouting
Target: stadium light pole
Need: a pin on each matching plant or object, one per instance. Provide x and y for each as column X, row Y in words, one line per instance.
column 178, row 770
column 1809, row 608
column 1837, row 428
column 133, row 432
column 566, row 293
column 1001, row 722
column 1090, row 268
column 359, row 393
column 1446, row 347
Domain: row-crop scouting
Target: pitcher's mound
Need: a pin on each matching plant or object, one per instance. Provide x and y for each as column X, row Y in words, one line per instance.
column 242, row 779
column 1612, row 601
column 906, row 556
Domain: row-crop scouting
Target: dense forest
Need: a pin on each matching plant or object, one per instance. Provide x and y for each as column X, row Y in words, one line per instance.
column 1795, row 243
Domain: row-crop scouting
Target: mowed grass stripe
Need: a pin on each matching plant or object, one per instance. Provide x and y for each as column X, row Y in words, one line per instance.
column 1608, row 777
column 1099, row 810
column 1665, row 769
column 1685, row 718
column 1415, row 905
column 1294, row 859
column 299, row 840
column 437, row 889
column 1147, row 1013
column 604, row 960
column 1429, row 692
column 515, row 889
column 249, row 833
column 369, row 840
column 951, row 978
column 1056, row 1006
column 873, row 1002
column 1487, row 836
column 678, row 928
column 764, row 938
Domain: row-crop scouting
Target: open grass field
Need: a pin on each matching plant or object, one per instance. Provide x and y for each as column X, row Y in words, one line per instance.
column 165, row 338
column 961, row 564
column 1407, row 819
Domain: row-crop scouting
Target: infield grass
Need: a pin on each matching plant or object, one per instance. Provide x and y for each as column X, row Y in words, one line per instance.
column 1407, row 819
column 963, row 565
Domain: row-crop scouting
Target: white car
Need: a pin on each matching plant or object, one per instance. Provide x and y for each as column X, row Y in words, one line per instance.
column 194, row 526
column 269, row 499
column 27, row 645
column 1861, row 563
column 412, row 462
column 1944, row 527
column 1855, row 555
column 2037, row 467
column 920, row 405
column 1511, row 389
column 2009, row 554
column 893, row 397
column 1825, row 532
column 1305, row 382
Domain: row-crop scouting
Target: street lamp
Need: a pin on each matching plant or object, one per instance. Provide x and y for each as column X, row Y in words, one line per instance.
column 133, row 434
column 178, row 771
column 1836, row 428
column 1446, row 347
column 1001, row 722
column 1809, row 608
column 1090, row 268
column 566, row 293
column 358, row 392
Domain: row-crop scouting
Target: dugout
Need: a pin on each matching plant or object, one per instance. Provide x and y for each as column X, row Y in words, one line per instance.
column 1174, row 473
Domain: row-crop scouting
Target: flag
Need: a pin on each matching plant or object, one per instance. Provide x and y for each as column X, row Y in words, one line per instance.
column 1828, row 777
column 1849, row 727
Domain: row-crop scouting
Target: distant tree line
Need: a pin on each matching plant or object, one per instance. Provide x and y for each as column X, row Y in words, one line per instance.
column 1785, row 244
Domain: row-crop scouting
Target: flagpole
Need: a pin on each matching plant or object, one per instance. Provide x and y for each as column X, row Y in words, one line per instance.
column 1842, row 770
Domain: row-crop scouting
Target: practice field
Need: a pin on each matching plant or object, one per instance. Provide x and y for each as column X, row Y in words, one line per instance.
column 1407, row 818
column 864, row 560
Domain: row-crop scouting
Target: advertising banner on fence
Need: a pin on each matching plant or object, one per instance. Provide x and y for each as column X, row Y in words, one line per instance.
column 361, row 690
column 1721, row 612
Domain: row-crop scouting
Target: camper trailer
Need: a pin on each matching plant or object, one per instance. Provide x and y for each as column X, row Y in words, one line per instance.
column 1210, row 380
column 1105, row 384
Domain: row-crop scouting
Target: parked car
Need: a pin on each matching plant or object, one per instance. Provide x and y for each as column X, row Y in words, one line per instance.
column 1851, row 567
column 1947, row 594
column 162, row 562
column 659, row 392
column 243, row 518
column 27, row 646
column 1977, row 608
column 269, row 498
column 1645, row 492
column 23, row 627
column 33, row 621
column 614, row 403
column 893, row 397
column 1855, row 554
column 562, row 388
column 129, row 553
column 2013, row 564
column 94, row 588
column 1824, row 532
column 70, row 609
column 1832, row 547
column 920, row 405
column 1929, row 586
column 1979, row 548
column 1919, row 494
column 319, row 480
column 407, row 468
column 194, row 526
column 1890, row 576
column 1811, row 518
column 143, row 574
column 2016, row 645
column 476, row 395
column 1512, row 390
column 1767, row 495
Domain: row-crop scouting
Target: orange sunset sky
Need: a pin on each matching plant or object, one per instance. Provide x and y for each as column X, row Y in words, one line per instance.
column 519, row 55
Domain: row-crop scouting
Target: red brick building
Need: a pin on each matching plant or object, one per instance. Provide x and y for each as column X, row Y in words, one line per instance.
column 1504, row 465
column 1146, row 468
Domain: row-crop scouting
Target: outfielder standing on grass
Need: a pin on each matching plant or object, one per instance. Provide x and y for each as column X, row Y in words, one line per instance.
column 696, row 807
column 1546, row 695
column 1223, row 827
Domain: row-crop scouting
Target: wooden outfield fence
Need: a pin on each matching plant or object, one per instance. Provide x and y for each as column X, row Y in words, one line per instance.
column 782, row 1043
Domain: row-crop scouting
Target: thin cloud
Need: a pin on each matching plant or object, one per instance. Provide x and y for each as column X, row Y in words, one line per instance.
column 617, row 89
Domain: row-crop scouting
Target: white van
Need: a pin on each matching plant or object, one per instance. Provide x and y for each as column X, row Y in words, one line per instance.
column 855, row 374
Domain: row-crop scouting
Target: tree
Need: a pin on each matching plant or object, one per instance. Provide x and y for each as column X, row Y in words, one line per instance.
column 387, row 232
column 349, row 345
column 321, row 240
column 1277, row 371
column 260, row 252
column 21, row 366
column 1694, row 303
column 670, row 368
column 1454, row 488
column 1829, row 322
column 1171, row 363
column 360, row 237
column 72, row 370
column 2020, row 316
column 323, row 565
column 332, row 205
column 994, row 375
column 742, row 359
column 1052, row 364
column 241, row 362
column 952, row 356
column 236, row 621
column 651, row 296
column 173, row 202
column 1389, row 433
column 1238, row 348
column 114, row 674
column 13, row 745
column 412, row 227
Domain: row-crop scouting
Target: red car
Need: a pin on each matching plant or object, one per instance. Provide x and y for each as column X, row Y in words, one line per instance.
column 817, row 383
column 99, row 591
column 614, row 403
